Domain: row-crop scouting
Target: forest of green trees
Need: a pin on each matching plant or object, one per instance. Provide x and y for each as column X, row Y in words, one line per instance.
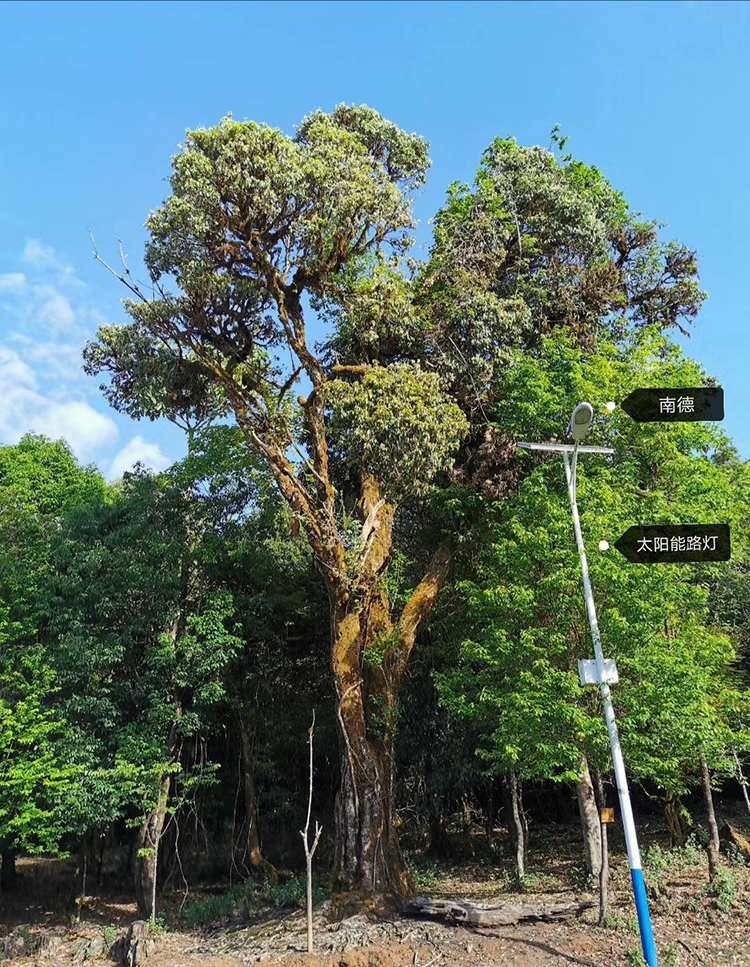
column 354, row 532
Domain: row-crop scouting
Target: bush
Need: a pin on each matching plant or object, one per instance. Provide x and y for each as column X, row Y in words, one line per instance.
column 199, row 913
column 635, row 957
column 693, row 852
column 425, row 876
column 723, row 889
column 291, row 892
column 658, row 860
column 247, row 896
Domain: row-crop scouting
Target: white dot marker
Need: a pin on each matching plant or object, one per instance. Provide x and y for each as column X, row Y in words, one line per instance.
column 603, row 545
column 611, row 406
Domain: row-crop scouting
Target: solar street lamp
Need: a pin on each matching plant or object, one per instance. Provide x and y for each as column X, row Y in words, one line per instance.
column 602, row 671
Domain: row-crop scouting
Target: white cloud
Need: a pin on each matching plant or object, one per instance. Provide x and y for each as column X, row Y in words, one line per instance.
column 45, row 258
column 34, row 253
column 12, row 281
column 78, row 422
column 14, row 372
column 138, row 451
column 46, row 317
column 54, row 308
column 25, row 410
column 84, row 428
column 53, row 360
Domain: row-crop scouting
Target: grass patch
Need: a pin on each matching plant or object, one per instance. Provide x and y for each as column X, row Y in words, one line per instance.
column 245, row 898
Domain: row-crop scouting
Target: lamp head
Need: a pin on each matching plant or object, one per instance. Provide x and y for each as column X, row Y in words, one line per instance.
column 580, row 421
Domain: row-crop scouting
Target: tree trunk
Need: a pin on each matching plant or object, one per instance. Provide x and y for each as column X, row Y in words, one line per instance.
column 604, row 869
column 672, row 807
column 258, row 861
column 150, row 831
column 524, row 826
column 369, row 869
column 103, row 836
column 8, row 873
column 147, row 841
column 519, row 837
column 590, row 823
column 309, row 904
column 713, row 829
column 369, row 655
column 83, row 865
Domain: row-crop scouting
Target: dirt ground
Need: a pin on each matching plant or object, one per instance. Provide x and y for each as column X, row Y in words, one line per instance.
column 693, row 925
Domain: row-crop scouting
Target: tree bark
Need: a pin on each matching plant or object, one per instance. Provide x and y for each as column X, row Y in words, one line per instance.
column 255, row 854
column 590, row 823
column 524, row 826
column 147, row 839
column 713, row 829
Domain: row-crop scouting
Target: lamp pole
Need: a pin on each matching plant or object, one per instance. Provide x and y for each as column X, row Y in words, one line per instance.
column 604, row 672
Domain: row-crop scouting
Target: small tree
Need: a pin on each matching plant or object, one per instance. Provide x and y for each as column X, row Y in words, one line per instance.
column 40, row 482
column 140, row 636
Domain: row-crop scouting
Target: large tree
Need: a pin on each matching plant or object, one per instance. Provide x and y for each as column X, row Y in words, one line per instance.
column 263, row 231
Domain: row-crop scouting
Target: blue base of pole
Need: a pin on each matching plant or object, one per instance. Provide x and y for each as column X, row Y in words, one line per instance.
column 644, row 918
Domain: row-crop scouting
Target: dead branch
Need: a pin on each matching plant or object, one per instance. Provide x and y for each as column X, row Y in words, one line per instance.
column 485, row 915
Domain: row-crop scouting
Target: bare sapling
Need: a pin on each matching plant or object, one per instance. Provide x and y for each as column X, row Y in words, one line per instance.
column 310, row 851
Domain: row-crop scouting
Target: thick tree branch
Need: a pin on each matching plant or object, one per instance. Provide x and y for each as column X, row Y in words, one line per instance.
column 315, row 422
column 341, row 370
column 418, row 607
column 377, row 528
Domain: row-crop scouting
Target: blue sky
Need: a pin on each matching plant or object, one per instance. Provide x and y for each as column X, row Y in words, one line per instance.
column 95, row 98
